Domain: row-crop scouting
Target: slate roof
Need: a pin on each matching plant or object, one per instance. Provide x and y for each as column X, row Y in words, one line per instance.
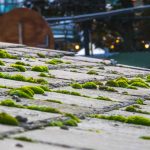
column 91, row 133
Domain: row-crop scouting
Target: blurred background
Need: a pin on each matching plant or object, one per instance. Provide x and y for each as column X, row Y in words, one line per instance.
column 115, row 29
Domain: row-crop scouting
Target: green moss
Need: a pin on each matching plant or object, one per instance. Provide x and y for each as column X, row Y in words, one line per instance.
column 68, row 92
column 21, row 63
column 19, row 67
column 23, row 138
column 98, row 82
column 54, row 101
column 92, row 72
column 140, row 101
column 140, row 84
column 55, row 61
column 41, row 55
column 107, row 88
column 73, row 117
column 8, row 119
column 145, row 137
column 5, row 54
column 44, row 109
column 40, row 68
column 70, row 122
column 19, row 93
column 76, row 86
column 138, row 120
column 35, row 89
column 45, row 88
column 42, row 74
column 2, row 63
column 112, row 83
column 89, row 85
column 10, row 103
column 18, row 77
column 103, row 98
column 56, row 124
column 41, row 81
column 133, row 108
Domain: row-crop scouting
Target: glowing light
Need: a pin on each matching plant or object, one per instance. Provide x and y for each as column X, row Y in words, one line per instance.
column 147, row 46
column 117, row 41
column 77, row 47
column 112, row 46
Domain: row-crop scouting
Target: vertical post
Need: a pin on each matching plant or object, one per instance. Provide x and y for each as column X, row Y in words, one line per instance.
column 20, row 33
column 86, row 38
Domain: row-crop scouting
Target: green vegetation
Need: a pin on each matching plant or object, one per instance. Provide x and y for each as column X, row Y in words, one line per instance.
column 145, row 137
column 41, row 55
column 92, row 72
column 134, row 109
column 40, row 68
column 23, row 138
column 2, row 63
column 76, row 86
column 140, row 101
column 27, row 91
column 55, row 61
column 44, row 109
column 19, row 67
column 89, row 85
column 8, row 119
column 10, row 103
column 103, row 98
column 107, row 88
column 20, row 77
column 21, row 63
column 54, row 101
column 42, row 74
column 126, row 83
column 67, row 92
column 5, row 54
column 138, row 120
column 72, row 121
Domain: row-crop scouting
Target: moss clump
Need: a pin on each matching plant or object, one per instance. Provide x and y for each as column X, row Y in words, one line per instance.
column 21, row 63
column 8, row 119
column 140, row 101
column 44, row 109
column 103, row 98
column 68, row 92
column 145, row 137
column 45, row 88
column 55, row 61
column 41, row 55
column 73, row 117
column 140, row 84
column 112, row 83
column 40, row 68
column 70, row 122
column 89, row 85
column 133, row 108
column 76, row 86
column 92, row 72
column 42, row 74
column 56, row 124
column 98, row 83
column 10, row 103
column 107, row 88
column 23, row 138
column 19, row 67
column 35, row 89
column 20, row 93
column 41, row 81
column 5, row 54
column 2, row 63
column 54, row 101
column 18, row 77
column 138, row 120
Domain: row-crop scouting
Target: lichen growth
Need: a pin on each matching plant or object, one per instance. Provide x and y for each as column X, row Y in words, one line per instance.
column 21, row 63
column 67, row 92
column 103, row 98
column 55, row 61
column 107, row 88
column 23, row 138
column 5, row 54
column 8, row 119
